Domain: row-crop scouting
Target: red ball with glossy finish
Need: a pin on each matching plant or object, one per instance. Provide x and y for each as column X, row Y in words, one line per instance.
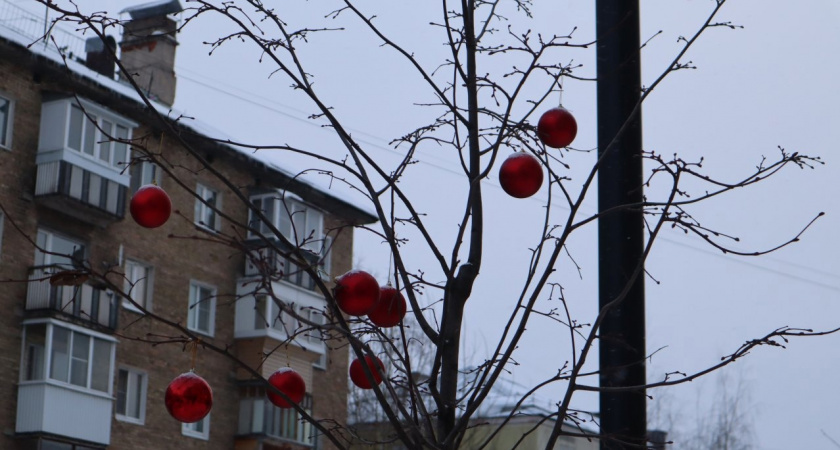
column 289, row 382
column 356, row 292
column 390, row 309
column 188, row 398
column 521, row 175
column 357, row 371
column 557, row 128
column 150, row 206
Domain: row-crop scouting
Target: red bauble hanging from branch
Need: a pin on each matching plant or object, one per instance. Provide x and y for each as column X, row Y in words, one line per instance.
column 357, row 371
column 289, row 382
column 390, row 309
column 557, row 128
column 521, row 175
column 150, row 206
column 188, row 398
column 356, row 292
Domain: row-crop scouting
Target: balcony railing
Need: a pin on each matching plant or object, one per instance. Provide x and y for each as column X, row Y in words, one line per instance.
column 260, row 417
column 69, row 181
column 82, row 300
column 267, row 262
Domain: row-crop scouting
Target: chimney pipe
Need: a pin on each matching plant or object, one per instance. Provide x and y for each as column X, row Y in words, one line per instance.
column 98, row 57
column 148, row 48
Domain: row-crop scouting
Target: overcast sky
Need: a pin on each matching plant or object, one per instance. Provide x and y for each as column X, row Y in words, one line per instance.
column 772, row 83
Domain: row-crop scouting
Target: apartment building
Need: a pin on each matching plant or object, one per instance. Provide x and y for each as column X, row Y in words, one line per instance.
column 78, row 370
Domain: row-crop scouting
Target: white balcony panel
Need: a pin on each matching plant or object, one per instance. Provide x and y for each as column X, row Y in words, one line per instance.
column 245, row 322
column 64, row 411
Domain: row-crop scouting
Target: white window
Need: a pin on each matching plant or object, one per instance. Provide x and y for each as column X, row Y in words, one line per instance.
column 202, row 311
column 143, row 173
column 58, row 250
column 67, row 355
column 98, row 137
column 205, row 211
column 7, row 108
column 298, row 222
column 131, row 395
column 138, row 285
column 200, row 429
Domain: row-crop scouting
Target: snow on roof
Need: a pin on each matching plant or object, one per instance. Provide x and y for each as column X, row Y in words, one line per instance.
column 36, row 46
column 154, row 8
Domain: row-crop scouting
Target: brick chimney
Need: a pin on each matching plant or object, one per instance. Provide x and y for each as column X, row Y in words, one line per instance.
column 148, row 48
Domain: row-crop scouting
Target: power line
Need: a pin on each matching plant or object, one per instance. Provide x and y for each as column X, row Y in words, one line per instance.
column 275, row 107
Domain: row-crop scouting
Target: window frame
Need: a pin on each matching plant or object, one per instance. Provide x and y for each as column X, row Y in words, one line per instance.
column 98, row 137
column 48, row 246
column 144, row 172
column 6, row 138
column 188, row 429
column 142, row 385
column 45, row 363
column 284, row 212
column 131, row 284
column 193, row 312
column 202, row 210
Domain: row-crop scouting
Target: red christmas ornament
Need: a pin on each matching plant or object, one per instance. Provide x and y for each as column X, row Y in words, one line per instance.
column 150, row 206
column 357, row 372
column 557, row 128
column 356, row 292
column 521, row 175
column 289, row 382
column 390, row 309
column 188, row 398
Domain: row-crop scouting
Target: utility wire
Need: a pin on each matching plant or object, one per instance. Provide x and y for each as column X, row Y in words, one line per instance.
column 275, row 107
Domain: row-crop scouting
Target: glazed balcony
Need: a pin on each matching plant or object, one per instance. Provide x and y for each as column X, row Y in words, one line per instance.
column 70, row 297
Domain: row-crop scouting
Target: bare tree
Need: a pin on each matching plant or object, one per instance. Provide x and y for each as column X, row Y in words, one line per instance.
column 723, row 418
column 481, row 116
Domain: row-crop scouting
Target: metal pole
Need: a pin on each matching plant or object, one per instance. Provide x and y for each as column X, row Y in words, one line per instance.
column 620, row 234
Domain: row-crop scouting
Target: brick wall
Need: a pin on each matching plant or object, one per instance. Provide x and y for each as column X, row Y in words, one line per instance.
column 178, row 251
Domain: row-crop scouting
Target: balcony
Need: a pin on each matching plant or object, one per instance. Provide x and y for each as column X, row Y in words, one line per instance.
column 46, row 407
column 66, row 379
column 78, row 192
column 266, row 262
column 259, row 316
column 82, row 153
column 83, row 301
column 260, row 419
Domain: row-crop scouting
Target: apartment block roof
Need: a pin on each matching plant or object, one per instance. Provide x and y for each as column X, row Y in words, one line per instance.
column 45, row 58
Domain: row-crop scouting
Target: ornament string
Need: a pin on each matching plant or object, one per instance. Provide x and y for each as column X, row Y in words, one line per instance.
column 160, row 146
column 559, row 82
column 194, row 350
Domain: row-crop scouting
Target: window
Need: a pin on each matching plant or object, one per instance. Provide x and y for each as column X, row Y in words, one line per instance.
column 299, row 223
column 205, row 212
column 131, row 395
column 97, row 136
column 6, row 116
column 143, row 173
column 200, row 429
column 202, row 311
column 70, row 252
column 138, row 285
column 67, row 355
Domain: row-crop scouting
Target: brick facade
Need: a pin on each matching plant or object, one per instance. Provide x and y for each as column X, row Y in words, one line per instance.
column 179, row 252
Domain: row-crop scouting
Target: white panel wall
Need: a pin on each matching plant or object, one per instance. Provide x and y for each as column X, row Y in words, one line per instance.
column 64, row 411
